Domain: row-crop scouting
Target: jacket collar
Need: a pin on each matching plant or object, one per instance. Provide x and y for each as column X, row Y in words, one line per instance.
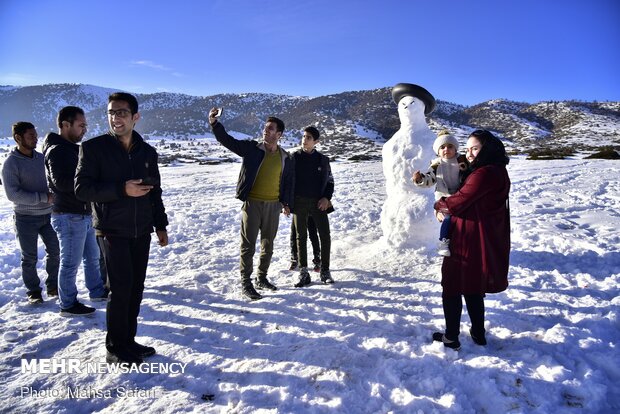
column 52, row 139
column 136, row 139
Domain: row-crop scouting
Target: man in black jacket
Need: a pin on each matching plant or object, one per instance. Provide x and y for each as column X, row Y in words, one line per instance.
column 265, row 185
column 314, row 187
column 71, row 218
column 118, row 172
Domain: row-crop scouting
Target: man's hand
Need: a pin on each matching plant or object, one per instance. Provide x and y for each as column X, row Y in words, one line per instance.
column 50, row 198
column 162, row 236
column 286, row 211
column 323, row 204
column 212, row 118
column 133, row 188
column 439, row 216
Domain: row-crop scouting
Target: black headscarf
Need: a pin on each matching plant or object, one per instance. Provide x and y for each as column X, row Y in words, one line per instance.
column 492, row 152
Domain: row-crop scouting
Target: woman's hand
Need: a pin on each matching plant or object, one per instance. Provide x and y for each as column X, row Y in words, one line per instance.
column 441, row 206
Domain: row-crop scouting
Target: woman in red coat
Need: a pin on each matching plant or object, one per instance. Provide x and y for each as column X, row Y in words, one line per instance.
column 479, row 238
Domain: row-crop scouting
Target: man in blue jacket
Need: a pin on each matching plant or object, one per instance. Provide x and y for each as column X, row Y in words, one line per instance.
column 266, row 187
column 118, row 172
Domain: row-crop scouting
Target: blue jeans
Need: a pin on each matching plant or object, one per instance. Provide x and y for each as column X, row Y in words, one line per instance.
column 77, row 244
column 444, row 230
column 28, row 229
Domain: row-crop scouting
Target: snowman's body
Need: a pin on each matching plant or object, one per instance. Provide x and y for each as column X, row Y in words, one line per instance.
column 408, row 218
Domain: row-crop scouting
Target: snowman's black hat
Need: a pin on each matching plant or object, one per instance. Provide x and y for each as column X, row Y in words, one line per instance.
column 409, row 89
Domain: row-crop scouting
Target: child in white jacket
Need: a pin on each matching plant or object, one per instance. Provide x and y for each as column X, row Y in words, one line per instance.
column 445, row 173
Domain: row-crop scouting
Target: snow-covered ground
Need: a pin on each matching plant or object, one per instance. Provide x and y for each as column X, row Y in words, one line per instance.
column 362, row 345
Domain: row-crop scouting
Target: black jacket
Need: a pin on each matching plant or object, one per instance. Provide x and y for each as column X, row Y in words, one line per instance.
column 103, row 168
column 61, row 159
column 253, row 154
column 323, row 174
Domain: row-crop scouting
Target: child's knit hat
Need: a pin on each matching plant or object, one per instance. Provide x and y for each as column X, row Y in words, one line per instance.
column 444, row 137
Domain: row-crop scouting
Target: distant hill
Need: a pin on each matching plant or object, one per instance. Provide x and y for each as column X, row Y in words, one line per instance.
column 352, row 123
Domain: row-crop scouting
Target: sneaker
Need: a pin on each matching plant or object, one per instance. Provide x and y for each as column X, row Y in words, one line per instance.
column 293, row 265
column 317, row 265
column 251, row 293
column 35, row 298
column 123, row 357
column 440, row 337
column 263, row 283
column 51, row 293
column 304, row 278
column 142, row 351
column 479, row 340
column 78, row 309
column 102, row 298
column 326, row 277
column 444, row 247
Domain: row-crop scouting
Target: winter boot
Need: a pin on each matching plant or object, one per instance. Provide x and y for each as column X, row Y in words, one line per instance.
column 326, row 277
column 440, row 337
column 77, row 309
column 263, row 283
column 304, row 278
column 35, row 298
column 478, row 339
column 123, row 357
column 250, row 293
column 142, row 351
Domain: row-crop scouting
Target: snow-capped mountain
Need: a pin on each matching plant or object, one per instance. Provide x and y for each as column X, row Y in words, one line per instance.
column 353, row 124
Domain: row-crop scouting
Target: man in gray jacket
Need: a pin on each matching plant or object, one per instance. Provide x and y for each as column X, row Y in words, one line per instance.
column 23, row 178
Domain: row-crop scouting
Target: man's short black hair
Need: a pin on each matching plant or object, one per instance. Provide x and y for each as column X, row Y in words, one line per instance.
column 20, row 128
column 68, row 113
column 125, row 97
column 313, row 131
column 278, row 121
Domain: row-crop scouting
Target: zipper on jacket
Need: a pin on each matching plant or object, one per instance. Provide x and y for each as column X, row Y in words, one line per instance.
column 257, row 170
column 135, row 201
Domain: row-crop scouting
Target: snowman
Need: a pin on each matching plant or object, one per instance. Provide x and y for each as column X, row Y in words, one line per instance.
column 407, row 218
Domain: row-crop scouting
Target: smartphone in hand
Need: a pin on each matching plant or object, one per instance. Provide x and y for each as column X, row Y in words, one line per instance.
column 149, row 181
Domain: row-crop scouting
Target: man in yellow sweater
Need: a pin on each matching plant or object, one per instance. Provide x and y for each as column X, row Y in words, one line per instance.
column 266, row 187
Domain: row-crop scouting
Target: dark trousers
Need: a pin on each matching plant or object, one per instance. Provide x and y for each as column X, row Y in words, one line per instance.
column 102, row 267
column 305, row 207
column 314, row 240
column 258, row 216
column 126, row 261
column 452, row 309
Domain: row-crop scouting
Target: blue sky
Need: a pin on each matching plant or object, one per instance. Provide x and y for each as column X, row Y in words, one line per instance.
column 461, row 51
